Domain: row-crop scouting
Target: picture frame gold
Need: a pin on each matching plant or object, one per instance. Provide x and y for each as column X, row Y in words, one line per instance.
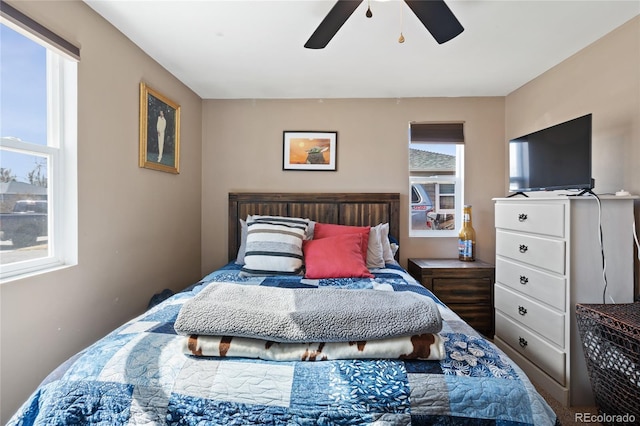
column 309, row 150
column 159, row 131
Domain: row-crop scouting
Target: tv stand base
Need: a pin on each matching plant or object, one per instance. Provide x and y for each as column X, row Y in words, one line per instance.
column 584, row 192
column 518, row 193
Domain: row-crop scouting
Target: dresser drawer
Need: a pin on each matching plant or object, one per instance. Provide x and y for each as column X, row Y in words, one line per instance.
column 537, row 317
column 541, row 353
column 541, row 252
column 543, row 286
column 545, row 219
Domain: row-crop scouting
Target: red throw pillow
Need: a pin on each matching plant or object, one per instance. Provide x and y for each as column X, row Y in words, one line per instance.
column 324, row 230
column 339, row 256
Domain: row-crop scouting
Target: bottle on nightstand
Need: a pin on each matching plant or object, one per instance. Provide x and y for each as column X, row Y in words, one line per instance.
column 467, row 237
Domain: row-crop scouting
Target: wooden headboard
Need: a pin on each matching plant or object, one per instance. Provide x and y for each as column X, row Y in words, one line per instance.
column 356, row 209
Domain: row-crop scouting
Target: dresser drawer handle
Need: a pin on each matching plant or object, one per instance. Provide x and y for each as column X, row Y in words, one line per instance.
column 522, row 217
column 523, row 342
column 523, row 248
column 523, row 280
column 522, row 310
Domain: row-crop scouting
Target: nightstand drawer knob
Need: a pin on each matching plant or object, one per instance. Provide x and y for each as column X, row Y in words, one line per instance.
column 523, row 342
column 522, row 217
column 523, row 280
column 522, row 310
column 523, row 248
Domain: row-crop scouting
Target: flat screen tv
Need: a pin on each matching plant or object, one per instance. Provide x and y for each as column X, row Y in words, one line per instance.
column 555, row 158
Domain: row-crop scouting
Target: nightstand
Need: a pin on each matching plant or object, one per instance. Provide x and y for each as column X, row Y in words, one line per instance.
column 465, row 287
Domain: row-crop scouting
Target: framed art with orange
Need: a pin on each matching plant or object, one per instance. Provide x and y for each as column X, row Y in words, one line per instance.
column 309, row 150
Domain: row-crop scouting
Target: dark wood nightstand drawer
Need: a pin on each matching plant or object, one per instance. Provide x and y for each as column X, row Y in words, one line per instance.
column 480, row 317
column 465, row 287
column 460, row 290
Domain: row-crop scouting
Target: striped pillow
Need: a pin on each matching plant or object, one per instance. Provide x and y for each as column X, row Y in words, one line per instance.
column 274, row 246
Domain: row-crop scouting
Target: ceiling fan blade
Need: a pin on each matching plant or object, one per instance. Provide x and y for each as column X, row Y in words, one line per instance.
column 330, row 25
column 436, row 16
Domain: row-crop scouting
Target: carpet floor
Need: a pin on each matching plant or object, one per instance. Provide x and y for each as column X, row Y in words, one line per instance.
column 568, row 416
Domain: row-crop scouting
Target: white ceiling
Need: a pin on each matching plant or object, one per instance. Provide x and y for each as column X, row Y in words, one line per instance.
column 254, row 48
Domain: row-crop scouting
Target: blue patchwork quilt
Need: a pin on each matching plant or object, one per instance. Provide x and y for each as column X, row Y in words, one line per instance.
column 138, row 375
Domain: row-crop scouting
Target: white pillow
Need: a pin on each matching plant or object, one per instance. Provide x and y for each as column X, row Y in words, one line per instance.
column 394, row 250
column 243, row 240
column 387, row 252
column 375, row 258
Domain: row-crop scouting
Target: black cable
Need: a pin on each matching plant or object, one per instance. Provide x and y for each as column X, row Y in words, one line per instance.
column 604, row 261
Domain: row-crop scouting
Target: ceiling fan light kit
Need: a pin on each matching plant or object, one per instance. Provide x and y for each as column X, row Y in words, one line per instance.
column 435, row 15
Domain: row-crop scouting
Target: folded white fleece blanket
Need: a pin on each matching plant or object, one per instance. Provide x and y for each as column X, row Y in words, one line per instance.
column 424, row 346
column 324, row 314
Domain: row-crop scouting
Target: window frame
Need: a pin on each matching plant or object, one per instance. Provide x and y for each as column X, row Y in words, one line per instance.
column 438, row 134
column 60, row 152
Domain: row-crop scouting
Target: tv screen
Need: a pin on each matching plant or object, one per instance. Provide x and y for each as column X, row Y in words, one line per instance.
column 558, row 157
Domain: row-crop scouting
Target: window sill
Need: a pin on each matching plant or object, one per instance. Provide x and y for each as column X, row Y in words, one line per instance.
column 29, row 272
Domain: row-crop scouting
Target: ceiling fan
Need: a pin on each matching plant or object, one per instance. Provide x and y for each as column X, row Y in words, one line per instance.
column 435, row 15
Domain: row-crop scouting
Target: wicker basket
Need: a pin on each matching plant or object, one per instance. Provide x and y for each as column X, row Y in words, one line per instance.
column 611, row 341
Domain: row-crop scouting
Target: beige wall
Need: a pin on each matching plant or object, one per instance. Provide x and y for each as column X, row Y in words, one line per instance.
column 603, row 79
column 139, row 229
column 242, row 151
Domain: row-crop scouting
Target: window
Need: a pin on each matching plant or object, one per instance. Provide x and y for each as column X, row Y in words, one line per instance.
column 436, row 164
column 38, row 196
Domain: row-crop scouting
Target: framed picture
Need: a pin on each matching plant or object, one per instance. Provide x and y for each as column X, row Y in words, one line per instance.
column 159, row 131
column 309, row 150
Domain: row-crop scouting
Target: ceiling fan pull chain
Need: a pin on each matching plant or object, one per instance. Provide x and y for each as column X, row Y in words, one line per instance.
column 369, row 14
column 401, row 38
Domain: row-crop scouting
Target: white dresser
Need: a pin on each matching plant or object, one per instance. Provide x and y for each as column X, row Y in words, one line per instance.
column 548, row 258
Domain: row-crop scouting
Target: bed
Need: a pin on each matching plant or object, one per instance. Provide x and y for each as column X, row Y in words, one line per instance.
column 155, row 370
